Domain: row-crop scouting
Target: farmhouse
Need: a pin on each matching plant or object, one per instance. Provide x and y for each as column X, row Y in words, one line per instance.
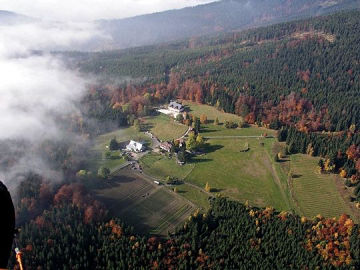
column 135, row 146
column 176, row 107
column 165, row 146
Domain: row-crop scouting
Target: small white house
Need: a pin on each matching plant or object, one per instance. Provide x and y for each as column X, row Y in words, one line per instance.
column 176, row 107
column 135, row 146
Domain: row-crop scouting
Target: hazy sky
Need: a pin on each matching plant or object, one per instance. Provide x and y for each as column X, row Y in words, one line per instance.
column 85, row 10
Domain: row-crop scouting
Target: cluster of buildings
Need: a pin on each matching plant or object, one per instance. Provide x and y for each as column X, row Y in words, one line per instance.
column 173, row 108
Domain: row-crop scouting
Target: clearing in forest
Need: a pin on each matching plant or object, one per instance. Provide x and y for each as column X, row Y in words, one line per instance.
column 142, row 204
column 211, row 112
column 315, row 193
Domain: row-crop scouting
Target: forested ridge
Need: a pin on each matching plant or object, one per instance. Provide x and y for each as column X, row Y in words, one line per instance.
column 317, row 59
column 213, row 18
column 75, row 232
column 303, row 75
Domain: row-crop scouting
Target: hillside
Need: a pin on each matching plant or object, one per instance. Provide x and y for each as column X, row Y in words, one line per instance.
column 301, row 78
column 248, row 73
column 216, row 17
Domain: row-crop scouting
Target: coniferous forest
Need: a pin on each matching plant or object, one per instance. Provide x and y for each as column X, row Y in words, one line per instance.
column 76, row 228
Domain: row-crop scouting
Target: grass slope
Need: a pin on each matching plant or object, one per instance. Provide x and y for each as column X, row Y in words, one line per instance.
column 240, row 175
column 141, row 204
column 210, row 112
column 123, row 134
column 164, row 127
column 315, row 193
column 161, row 166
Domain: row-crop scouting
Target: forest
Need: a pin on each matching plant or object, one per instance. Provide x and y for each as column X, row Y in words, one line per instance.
column 76, row 228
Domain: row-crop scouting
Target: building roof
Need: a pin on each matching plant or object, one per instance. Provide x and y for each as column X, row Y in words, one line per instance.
column 176, row 105
column 166, row 146
column 133, row 145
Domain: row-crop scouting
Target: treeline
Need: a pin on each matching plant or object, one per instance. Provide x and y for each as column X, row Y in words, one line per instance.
column 340, row 152
column 230, row 236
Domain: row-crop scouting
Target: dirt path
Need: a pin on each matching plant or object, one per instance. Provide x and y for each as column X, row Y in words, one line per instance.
column 185, row 134
column 199, row 188
column 117, row 169
column 270, row 167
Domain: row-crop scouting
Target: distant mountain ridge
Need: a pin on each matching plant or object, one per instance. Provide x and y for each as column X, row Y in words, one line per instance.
column 206, row 19
column 212, row 18
column 8, row 18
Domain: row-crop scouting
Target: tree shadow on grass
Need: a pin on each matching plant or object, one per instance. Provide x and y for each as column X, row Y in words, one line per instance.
column 210, row 148
column 202, row 160
column 207, row 130
column 146, row 126
column 216, row 190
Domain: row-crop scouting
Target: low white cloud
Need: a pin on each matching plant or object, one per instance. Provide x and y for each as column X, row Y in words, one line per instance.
column 34, row 85
column 88, row 10
column 37, row 89
column 20, row 39
column 31, row 89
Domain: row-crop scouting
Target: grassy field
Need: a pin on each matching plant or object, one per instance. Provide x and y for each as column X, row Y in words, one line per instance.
column 211, row 130
column 123, row 134
column 140, row 203
column 112, row 164
column 240, row 175
column 159, row 213
column 210, row 112
column 98, row 159
column 161, row 166
column 199, row 198
column 164, row 127
column 315, row 193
